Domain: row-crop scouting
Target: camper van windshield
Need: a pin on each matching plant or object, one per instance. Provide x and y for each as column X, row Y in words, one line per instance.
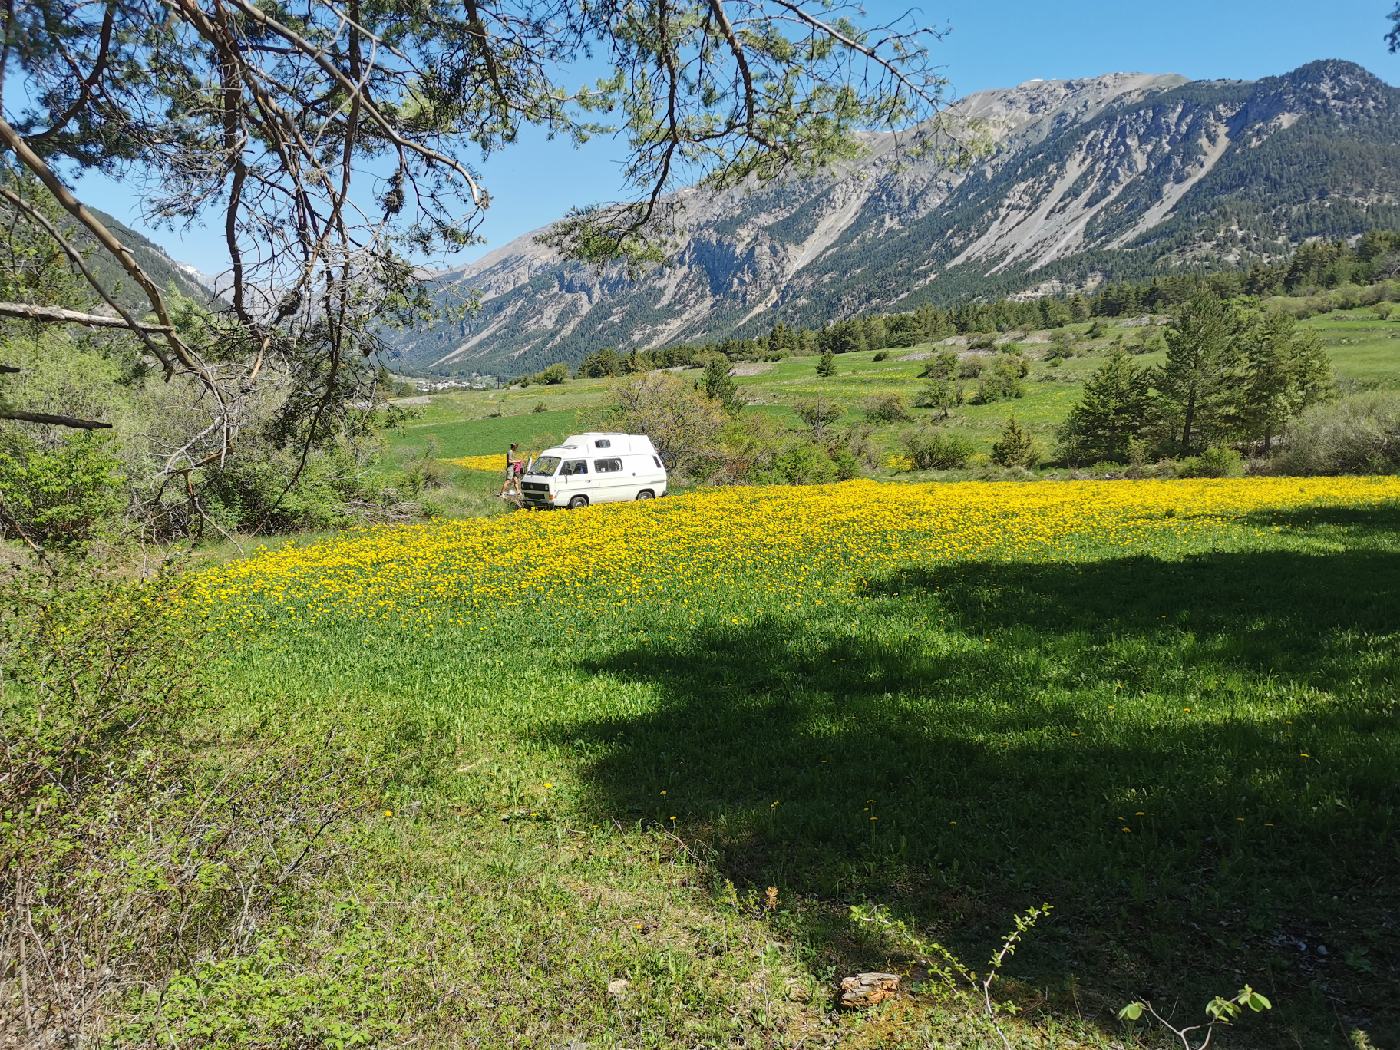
column 545, row 466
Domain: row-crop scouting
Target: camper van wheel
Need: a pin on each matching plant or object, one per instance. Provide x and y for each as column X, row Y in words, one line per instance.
column 577, row 502
column 646, row 494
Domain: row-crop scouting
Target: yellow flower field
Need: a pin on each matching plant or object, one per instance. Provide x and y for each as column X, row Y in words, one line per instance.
column 494, row 462
column 679, row 551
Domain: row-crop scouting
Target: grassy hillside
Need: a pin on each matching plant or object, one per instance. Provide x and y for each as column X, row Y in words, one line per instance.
column 1365, row 352
column 672, row 744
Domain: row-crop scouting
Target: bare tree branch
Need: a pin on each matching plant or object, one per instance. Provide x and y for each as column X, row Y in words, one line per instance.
column 54, row 420
column 60, row 315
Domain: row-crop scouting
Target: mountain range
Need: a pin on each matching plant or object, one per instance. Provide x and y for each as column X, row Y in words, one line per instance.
column 1075, row 182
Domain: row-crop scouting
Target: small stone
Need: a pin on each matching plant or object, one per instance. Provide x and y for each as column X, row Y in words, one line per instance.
column 866, row 989
column 619, row 987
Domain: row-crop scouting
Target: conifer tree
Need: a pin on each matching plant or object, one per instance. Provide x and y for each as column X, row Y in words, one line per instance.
column 1198, row 386
column 826, row 364
column 1285, row 372
column 718, row 385
column 1014, row 447
column 1111, row 413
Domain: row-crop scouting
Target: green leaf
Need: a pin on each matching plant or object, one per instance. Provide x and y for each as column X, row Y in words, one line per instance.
column 1131, row 1012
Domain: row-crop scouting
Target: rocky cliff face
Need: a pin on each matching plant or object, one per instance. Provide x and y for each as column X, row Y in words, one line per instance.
column 1118, row 175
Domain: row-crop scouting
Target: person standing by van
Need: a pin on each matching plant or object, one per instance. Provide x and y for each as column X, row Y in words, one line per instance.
column 511, row 485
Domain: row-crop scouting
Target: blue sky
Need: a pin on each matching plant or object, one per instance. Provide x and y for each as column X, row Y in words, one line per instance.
column 990, row 45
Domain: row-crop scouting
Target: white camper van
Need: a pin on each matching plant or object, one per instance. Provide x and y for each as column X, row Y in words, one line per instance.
column 594, row 468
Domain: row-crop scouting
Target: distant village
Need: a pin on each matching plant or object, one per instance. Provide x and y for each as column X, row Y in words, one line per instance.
column 475, row 381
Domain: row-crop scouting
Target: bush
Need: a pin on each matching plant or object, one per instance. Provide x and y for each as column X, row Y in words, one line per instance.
column 971, row 367
column 1003, row 381
column 127, row 848
column 887, row 408
column 931, row 448
column 59, row 495
column 251, row 492
column 804, row 463
column 818, row 414
column 683, row 424
column 1218, row 461
column 881, row 356
column 1061, row 345
column 1356, row 435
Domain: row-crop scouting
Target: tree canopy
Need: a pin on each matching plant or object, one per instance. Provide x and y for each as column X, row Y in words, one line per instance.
column 338, row 144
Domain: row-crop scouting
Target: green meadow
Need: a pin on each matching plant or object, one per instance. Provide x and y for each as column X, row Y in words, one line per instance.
column 1365, row 352
column 565, row 818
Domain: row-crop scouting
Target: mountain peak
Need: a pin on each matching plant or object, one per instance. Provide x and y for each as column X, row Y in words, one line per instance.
column 1084, row 179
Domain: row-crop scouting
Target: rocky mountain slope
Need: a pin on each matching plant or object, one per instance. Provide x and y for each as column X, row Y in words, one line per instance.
column 1078, row 180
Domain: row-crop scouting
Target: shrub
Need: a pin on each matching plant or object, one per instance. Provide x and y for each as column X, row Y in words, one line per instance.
column 971, row 367
column 942, row 365
column 804, row 463
column 126, row 849
column 1014, row 447
column 931, row 448
column 683, row 424
column 58, row 495
column 540, row 406
column 1003, row 380
column 252, row 492
column 881, row 356
column 1061, row 345
column 717, row 383
column 941, row 395
column 1217, row 461
column 1356, row 435
column 818, row 414
column 553, row 375
column 886, row 408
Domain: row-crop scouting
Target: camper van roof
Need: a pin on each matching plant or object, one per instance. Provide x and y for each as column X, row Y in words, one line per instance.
column 619, row 442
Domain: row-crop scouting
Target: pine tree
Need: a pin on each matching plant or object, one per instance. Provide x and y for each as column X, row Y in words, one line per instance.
column 1199, row 385
column 1285, row 372
column 1014, row 447
column 781, row 340
column 826, row 364
column 1111, row 414
column 718, row 385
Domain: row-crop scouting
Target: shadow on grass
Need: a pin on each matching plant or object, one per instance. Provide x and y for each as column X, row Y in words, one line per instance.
column 1125, row 739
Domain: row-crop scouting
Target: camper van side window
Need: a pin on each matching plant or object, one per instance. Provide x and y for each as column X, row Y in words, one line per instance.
column 657, row 459
column 607, row 466
column 575, row 466
column 603, row 443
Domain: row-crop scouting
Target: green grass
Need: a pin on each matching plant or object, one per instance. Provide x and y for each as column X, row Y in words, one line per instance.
column 572, row 794
column 1364, row 349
